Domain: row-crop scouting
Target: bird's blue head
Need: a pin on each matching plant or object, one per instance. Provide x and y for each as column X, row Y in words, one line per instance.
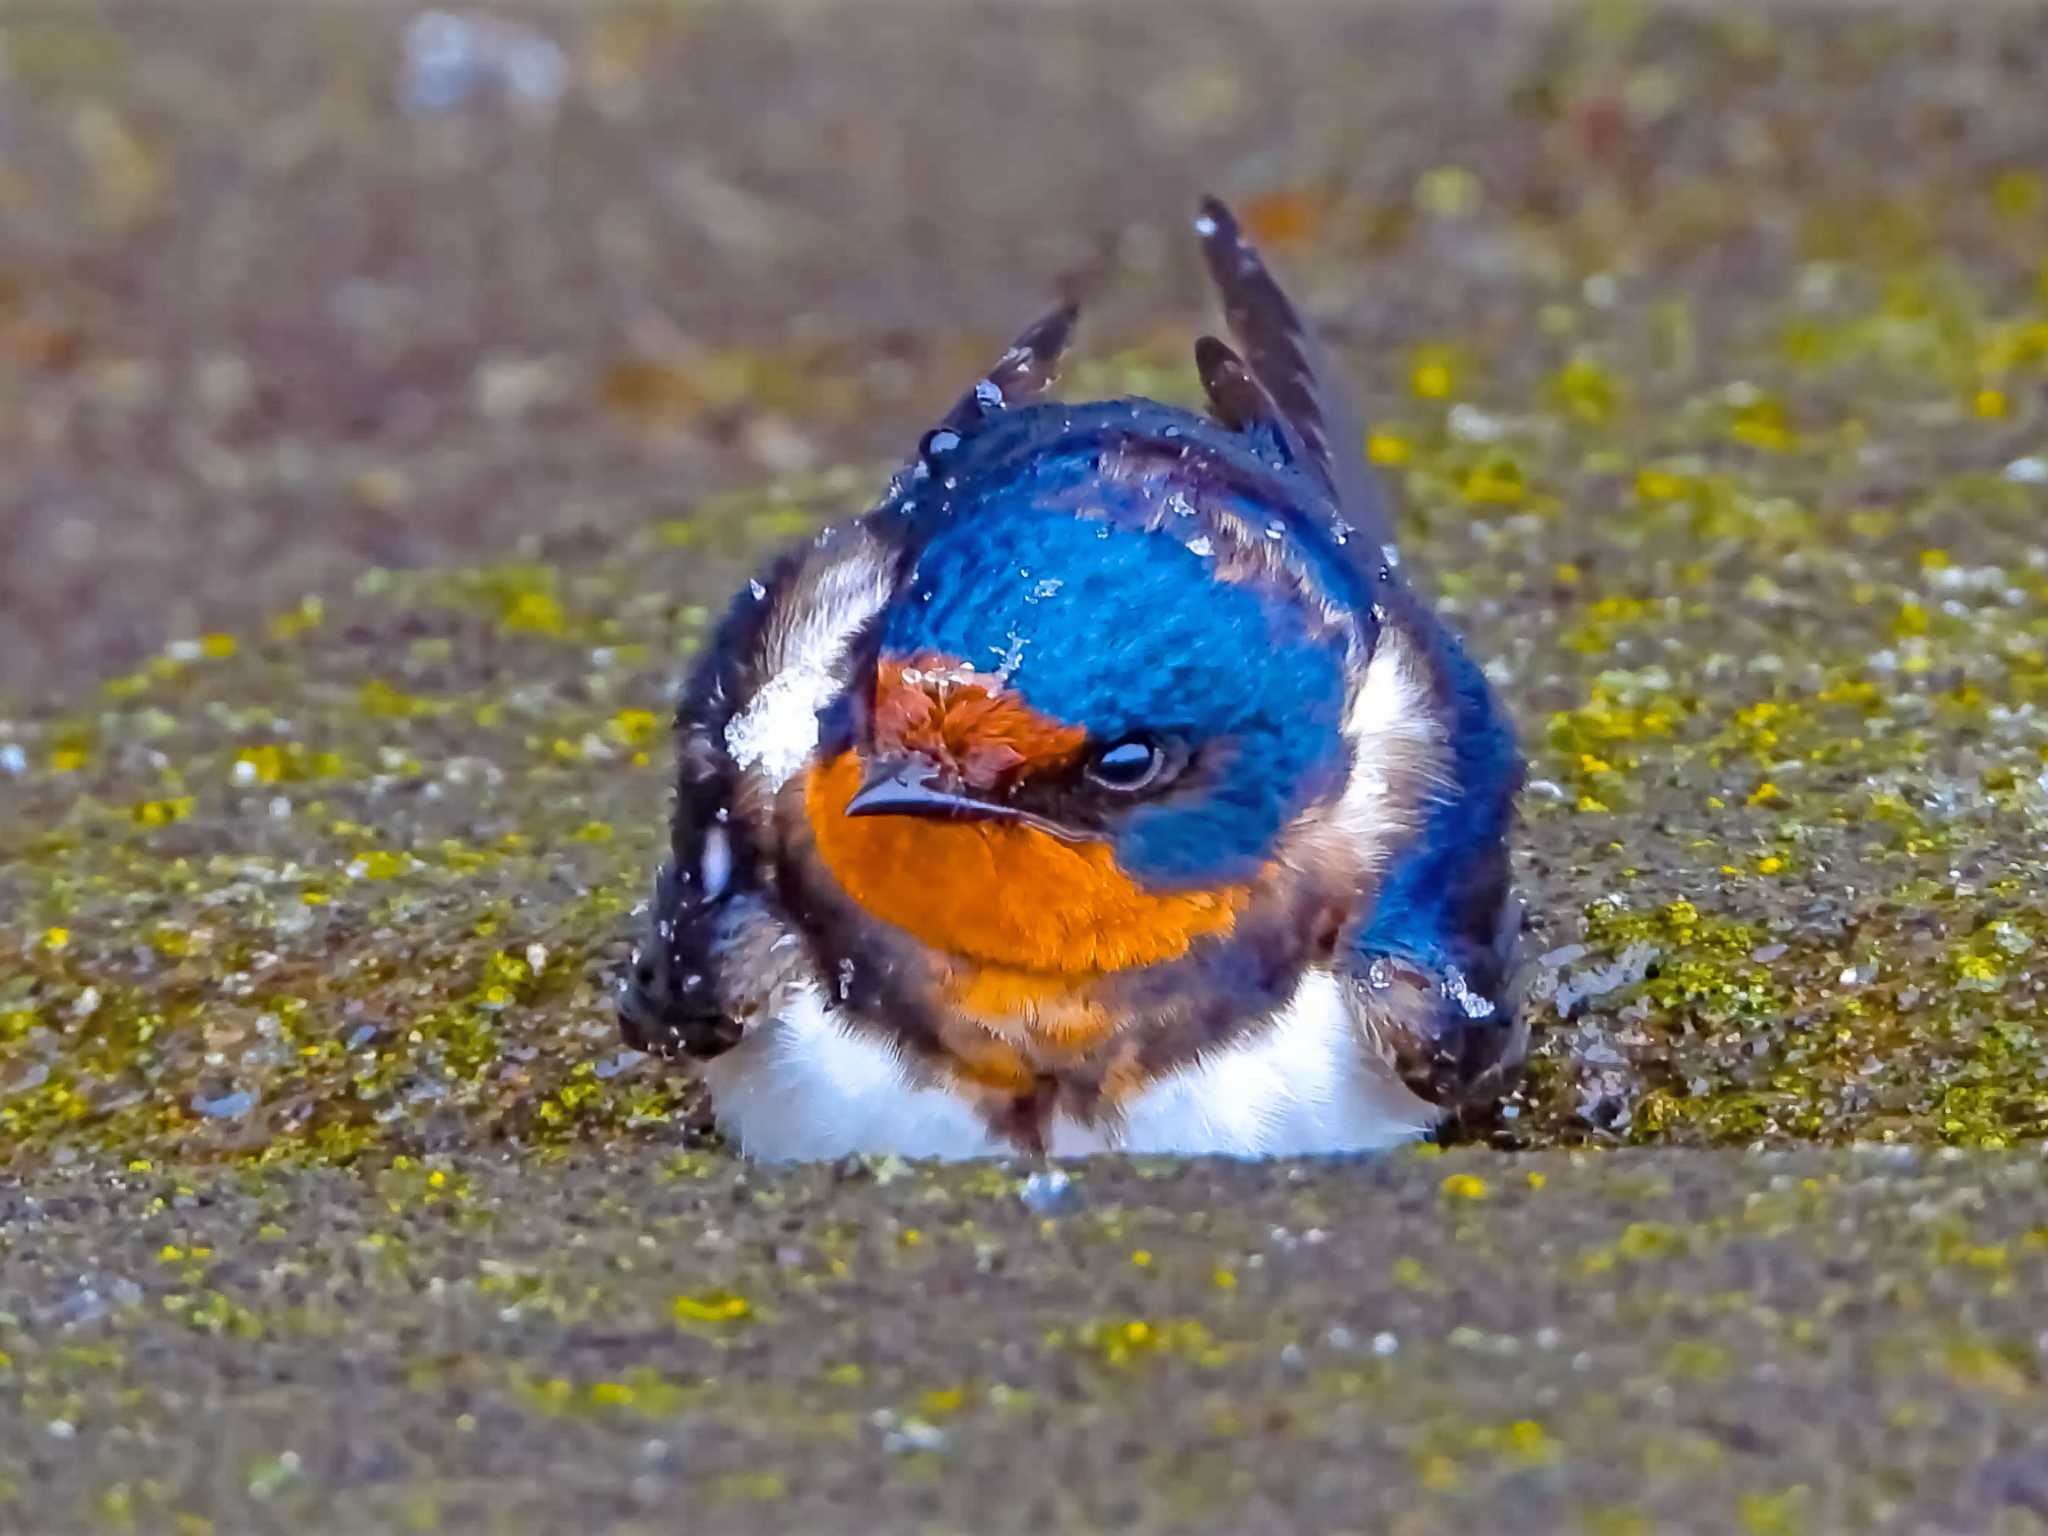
column 1114, row 676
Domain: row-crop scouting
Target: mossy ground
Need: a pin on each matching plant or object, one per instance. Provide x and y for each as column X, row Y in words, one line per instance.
column 1708, row 356
column 1599, row 1342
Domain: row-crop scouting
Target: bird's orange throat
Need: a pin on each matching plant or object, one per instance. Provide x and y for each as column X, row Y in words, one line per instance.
column 1030, row 921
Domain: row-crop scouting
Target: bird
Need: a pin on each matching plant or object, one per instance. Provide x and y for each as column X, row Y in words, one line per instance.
column 1108, row 786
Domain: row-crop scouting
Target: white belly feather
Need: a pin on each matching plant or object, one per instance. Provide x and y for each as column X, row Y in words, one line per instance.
column 804, row 1086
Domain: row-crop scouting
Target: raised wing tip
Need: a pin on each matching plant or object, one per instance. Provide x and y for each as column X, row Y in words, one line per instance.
column 1028, row 369
column 1214, row 220
column 1214, row 355
column 1236, row 398
column 1288, row 368
column 1049, row 334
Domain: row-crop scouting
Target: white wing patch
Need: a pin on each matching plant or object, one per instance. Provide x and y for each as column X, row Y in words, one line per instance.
column 804, row 650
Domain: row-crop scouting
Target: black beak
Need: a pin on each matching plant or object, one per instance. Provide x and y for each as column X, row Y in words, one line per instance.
column 908, row 786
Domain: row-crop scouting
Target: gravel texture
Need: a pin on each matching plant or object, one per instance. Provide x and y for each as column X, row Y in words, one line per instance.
column 634, row 1340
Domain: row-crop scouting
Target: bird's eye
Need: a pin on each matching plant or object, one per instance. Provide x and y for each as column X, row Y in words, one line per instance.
column 1130, row 765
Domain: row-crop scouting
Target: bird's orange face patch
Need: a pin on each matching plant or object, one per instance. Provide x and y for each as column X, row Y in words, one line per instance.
column 965, row 725
column 1030, row 918
column 1003, row 894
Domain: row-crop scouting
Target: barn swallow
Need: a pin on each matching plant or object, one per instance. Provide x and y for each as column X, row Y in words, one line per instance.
column 1108, row 786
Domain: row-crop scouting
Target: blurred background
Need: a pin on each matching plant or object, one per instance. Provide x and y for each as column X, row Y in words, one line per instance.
column 395, row 286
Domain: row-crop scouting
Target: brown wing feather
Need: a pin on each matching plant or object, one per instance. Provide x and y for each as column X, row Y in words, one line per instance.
column 1291, row 369
column 1236, row 397
column 1028, row 369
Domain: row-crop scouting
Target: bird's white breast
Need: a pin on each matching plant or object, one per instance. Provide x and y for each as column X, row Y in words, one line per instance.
column 805, row 1086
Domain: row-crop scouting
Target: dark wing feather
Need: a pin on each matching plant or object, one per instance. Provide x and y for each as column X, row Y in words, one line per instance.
column 1027, row 370
column 1236, row 397
column 1291, row 368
